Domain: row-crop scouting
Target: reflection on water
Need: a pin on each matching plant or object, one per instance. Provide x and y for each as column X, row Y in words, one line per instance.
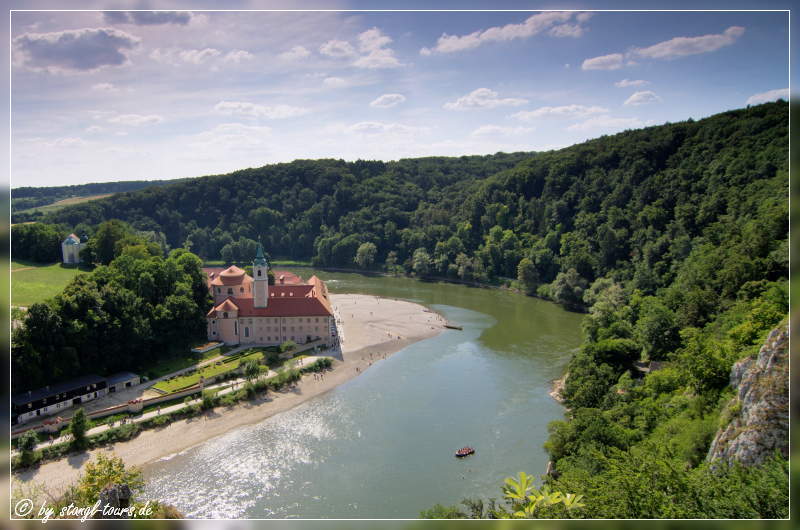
column 381, row 445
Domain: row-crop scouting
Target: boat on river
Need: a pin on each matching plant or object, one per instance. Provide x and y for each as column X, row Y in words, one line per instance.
column 451, row 326
column 464, row 451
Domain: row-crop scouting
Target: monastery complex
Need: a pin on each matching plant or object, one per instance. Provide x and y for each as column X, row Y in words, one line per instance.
column 247, row 310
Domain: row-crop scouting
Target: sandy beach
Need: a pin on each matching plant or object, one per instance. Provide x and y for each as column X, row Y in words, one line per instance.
column 369, row 325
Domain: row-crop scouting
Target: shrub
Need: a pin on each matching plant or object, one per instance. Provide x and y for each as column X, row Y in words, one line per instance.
column 228, row 400
column 158, row 421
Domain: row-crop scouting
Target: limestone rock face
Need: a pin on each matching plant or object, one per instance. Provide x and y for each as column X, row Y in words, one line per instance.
column 759, row 414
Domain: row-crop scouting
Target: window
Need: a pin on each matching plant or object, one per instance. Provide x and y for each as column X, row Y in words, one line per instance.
column 241, row 320
column 260, row 339
column 316, row 328
column 230, row 290
column 308, row 321
column 284, row 321
column 247, row 332
column 325, row 320
column 45, row 399
column 219, row 290
column 284, row 329
column 259, row 273
column 269, row 328
column 213, row 321
column 241, row 289
column 235, row 327
column 225, row 314
column 317, row 320
column 293, row 329
column 300, row 328
column 292, row 320
column 260, row 328
column 213, row 332
column 259, row 320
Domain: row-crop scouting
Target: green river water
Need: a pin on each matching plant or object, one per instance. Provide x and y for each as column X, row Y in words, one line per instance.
column 381, row 446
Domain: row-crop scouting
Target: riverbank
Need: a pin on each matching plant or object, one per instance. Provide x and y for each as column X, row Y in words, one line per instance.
column 372, row 329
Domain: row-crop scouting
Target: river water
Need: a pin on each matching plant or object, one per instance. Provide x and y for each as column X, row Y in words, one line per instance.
column 381, row 445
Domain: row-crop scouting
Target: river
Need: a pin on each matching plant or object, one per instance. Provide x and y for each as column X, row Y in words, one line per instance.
column 381, row 446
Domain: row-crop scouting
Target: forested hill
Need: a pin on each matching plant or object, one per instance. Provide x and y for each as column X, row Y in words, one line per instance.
column 95, row 188
column 633, row 205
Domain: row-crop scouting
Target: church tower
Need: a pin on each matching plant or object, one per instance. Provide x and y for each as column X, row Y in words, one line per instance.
column 260, row 279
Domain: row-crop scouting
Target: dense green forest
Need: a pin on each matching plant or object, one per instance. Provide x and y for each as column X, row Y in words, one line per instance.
column 674, row 239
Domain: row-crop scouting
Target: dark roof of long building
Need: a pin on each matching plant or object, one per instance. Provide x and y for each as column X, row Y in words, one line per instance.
column 119, row 377
column 52, row 390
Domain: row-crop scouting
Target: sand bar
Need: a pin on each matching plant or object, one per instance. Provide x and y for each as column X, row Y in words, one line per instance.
column 369, row 325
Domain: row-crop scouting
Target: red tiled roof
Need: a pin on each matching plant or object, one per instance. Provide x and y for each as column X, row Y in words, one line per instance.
column 233, row 275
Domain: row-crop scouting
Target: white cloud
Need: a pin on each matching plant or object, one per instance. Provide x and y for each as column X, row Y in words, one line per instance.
column 565, row 112
column 335, row 82
column 387, row 100
column 198, row 56
column 136, row 119
column 69, row 143
column 772, row 95
column 94, row 129
column 553, row 21
column 605, row 62
column 504, row 132
column 105, row 87
column 251, row 110
column 298, row 52
column 236, row 56
column 483, row 98
column 372, row 43
column 234, row 136
column 337, row 48
column 606, row 122
column 372, row 128
column 682, row 46
column 642, row 98
column 627, row 82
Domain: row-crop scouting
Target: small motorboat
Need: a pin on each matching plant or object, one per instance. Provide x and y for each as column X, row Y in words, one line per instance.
column 464, row 451
column 451, row 326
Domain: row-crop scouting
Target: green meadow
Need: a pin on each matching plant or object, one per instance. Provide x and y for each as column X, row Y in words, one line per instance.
column 33, row 282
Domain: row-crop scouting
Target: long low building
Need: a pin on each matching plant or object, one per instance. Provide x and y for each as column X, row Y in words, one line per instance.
column 53, row 399
column 247, row 310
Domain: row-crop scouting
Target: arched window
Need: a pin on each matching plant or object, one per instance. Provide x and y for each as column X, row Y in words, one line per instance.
column 246, row 332
column 225, row 314
column 259, row 272
column 230, row 290
column 219, row 290
column 235, row 327
column 241, row 289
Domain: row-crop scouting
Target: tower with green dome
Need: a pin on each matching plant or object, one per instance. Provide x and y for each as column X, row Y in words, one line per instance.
column 260, row 279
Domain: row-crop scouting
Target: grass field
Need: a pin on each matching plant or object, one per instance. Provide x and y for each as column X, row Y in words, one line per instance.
column 185, row 361
column 208, row 372
column 60, row 204
column 33, row 282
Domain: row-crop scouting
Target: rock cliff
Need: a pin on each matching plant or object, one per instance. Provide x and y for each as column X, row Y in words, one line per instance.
column 759, row 414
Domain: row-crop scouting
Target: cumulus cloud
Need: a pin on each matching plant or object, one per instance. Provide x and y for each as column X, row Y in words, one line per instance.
column 606, row 122
column 627, row 82
column 94, row 129
column 605, row 62
column 148, row 18
column 251, row 110
column 338, row 48
column 335, row 82
column 642, row 98
column 483, row 98
column 234, row 136
column 387, row 100
column 772, row 95
column 80, row 50
column 372, row 43
column 555, row 22
column 69, row 143
column 137, row 119
column 371, row 128
column 504, row 132
column 565, row 112
column 298, row 52
column 682, row 46
column 105, row 87
column 237, row 56
column 198, row 56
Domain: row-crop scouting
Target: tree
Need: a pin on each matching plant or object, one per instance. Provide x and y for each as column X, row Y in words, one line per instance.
column 528, row 276
column 102, row 246
column 78, row 427
column 422, row 262
column 27, row 443
column 289, row 345
column 365, row 255
column 251, row 369
column 391, row 261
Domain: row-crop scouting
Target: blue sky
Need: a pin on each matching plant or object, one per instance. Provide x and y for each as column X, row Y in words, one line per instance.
column 102, row 96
